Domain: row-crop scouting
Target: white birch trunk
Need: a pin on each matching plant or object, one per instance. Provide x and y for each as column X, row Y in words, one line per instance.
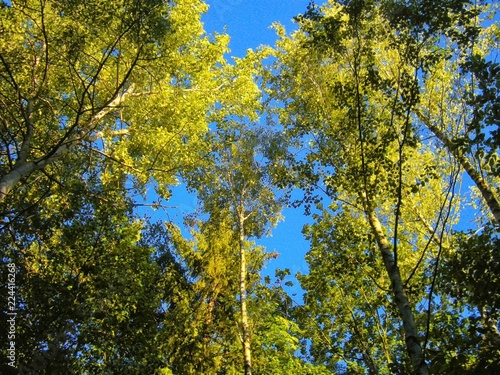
column 247, row 353
column 400, row 298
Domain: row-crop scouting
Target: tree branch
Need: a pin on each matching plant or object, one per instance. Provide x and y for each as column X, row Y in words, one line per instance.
column 487, row 192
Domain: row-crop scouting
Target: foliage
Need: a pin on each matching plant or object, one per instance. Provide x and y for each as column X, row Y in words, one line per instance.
column 233, row 187
column 133, row 81
column 199, row 330
column 86, row 288
column 357, row 84
column 470, row 277
column 380, row 112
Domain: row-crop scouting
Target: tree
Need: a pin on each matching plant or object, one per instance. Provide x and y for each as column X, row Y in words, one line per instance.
column 97, row 97
column 461, row 78
column 468, row 280
column 277, row 337
column 233, row 188
column 380, row 106
column 89, row 74
column 459, row 102
column 85, row 284
column 351, row 89
column 199, row 333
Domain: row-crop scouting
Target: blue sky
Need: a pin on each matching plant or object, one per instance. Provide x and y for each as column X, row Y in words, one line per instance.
column 248, row 22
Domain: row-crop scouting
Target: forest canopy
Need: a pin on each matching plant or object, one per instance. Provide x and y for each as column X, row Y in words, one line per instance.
column 379, row 119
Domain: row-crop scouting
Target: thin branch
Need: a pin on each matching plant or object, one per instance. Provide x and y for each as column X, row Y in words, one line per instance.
column 110, row 157
column 51, row 178
column 451, row 191
column 46, row 51
column 100, row 135
column 401, row 160
column 12, row 82
column 432, row 230
column 487, row 192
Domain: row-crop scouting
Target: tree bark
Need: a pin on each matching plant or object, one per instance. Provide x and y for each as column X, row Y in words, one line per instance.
column 247, row 354
column 400, row 298
column 24, row 169
column 490, row 324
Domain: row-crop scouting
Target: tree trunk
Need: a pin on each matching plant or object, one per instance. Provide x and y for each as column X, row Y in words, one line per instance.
column 490, row 324
column 23, row 170
column 247, row 354
column 400, row 298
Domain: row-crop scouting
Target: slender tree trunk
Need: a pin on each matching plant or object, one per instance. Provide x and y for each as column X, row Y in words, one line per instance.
column 486, row 191
column 247, row 354
column 490, row 324
column 400, row 298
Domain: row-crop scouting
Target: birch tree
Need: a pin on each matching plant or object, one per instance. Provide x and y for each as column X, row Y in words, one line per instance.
column 103, row 76
column 235, row 188
column 349, row 90
column 370, row 92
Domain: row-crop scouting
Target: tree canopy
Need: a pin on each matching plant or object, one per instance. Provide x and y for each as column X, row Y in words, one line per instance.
column 377, row 118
